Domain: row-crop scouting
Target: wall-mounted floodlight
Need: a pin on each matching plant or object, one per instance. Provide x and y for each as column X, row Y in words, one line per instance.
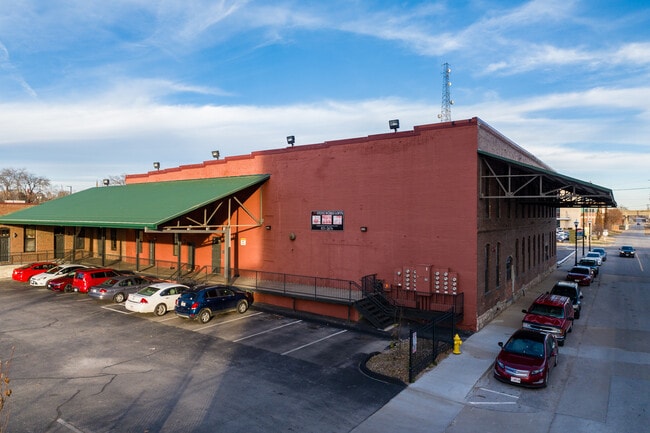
column 156, row 165
column 215, row 154
column 393, row 124
column 106, row 182
column 291, row 140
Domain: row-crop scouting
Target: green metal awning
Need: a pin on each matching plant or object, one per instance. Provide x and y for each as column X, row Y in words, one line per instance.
column 144, row 206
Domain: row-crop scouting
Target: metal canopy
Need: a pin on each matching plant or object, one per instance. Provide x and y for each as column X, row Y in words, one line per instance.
column 154, row 206
column 522, row 181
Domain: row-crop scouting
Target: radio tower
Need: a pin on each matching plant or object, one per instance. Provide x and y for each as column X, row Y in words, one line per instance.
column 445, row 111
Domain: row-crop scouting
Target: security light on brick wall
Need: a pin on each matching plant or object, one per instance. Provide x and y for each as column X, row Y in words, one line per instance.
column 291, row 140
column 393, row 124
column 215, row 154
column 156, row 165
column 106, row 182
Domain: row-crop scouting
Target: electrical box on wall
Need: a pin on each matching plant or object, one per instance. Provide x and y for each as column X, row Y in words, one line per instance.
column 445, row 281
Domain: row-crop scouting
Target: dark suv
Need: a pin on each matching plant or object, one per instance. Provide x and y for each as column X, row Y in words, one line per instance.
column 570, row 290
column 203, row 302
column 551, row 314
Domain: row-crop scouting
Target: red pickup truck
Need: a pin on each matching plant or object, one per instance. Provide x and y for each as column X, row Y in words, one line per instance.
column 551, row 314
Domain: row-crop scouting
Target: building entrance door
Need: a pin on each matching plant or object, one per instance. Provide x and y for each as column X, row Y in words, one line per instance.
column 216, row 256
column 4, row 245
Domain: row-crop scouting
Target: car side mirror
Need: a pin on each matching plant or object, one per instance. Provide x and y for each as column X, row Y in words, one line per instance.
column 500, row 343
column 524, row 311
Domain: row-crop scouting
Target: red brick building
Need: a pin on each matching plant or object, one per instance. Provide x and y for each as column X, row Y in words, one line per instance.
column 457, row 199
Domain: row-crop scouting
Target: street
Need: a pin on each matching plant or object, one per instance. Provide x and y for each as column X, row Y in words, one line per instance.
column 601, row 383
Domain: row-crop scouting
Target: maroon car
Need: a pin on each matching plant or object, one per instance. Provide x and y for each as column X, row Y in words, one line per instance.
column 527, row 358
column 62, row 284
column 582, row 275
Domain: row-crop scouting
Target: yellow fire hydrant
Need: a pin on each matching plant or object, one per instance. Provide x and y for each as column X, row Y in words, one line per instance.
column 457, row 343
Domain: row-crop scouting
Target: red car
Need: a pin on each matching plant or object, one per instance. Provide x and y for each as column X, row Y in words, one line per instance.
column 582, row 275
column 527, row 358
column 24, row 273
column 62, row 284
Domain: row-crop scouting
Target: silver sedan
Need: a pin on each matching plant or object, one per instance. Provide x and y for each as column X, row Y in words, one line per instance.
column 119, row 288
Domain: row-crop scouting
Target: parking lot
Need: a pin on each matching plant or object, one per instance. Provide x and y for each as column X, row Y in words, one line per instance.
column 87, row 366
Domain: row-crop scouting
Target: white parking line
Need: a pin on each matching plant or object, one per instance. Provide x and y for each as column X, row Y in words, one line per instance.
column 267, row 331
column 228, row 321
column 69, row 426
column 500, row 393
column 314, row 342
column 112, row 308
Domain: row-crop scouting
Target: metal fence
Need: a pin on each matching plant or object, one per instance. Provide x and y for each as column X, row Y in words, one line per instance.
column 316, row 288
column 428, row 341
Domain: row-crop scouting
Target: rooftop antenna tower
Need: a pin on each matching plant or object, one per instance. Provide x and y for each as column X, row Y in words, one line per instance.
column 445, row 111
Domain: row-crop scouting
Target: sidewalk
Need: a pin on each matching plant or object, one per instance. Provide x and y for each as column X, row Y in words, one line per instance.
column 432, row 403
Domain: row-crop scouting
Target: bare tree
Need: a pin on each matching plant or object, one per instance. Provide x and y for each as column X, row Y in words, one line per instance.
column 19, row 184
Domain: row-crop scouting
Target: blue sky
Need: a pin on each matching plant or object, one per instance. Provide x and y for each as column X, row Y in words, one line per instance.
column 91, row 88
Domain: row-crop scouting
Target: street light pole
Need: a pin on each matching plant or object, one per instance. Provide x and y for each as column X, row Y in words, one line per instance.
column 575, row 223
column 589, row 235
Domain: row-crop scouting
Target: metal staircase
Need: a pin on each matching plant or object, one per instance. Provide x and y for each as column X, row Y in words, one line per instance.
column 378, row 310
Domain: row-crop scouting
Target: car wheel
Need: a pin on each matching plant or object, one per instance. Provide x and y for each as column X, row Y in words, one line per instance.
column 242, row 306
column 204, row 316
column 577, row 315
column 118, row 298
column 160, row 310
column 67, row 288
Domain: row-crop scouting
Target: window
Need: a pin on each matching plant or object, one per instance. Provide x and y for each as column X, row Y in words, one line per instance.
column 498, row 265
column 80, row 239
column 30, row 240
column 487, row 269
column 509, row 268
column 113, row 239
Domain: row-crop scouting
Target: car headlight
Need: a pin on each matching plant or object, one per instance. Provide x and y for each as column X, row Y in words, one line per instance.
column 500, row 364
column 541, row 370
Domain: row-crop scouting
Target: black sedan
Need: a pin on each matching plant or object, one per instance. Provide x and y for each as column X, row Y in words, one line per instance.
column 626, row 251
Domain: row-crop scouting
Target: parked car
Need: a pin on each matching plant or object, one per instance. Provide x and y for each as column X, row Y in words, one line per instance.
column 551, row 314
column 119, row 288
column 590, row 263
column 626, row 251
column 582, row 275
column 562, row 236
column 156, row 298
column 62, row 283
column 202, row 302
column 596, row 256
column 24, row 273
column 527, row 358
column 602, row 252
column 84, row 279
column 55, row 272
column 570, row 290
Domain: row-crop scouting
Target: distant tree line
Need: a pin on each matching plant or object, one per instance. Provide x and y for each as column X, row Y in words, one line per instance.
column 21, row 185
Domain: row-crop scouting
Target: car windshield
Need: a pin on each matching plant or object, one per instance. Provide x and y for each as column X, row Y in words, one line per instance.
column 110, row 282
column 580, row 270
column 547, row 310
column 524, row 346
column 148, row 291
column 53, row 270
column 587, row 262
column 627, row 248
column 564, row 291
